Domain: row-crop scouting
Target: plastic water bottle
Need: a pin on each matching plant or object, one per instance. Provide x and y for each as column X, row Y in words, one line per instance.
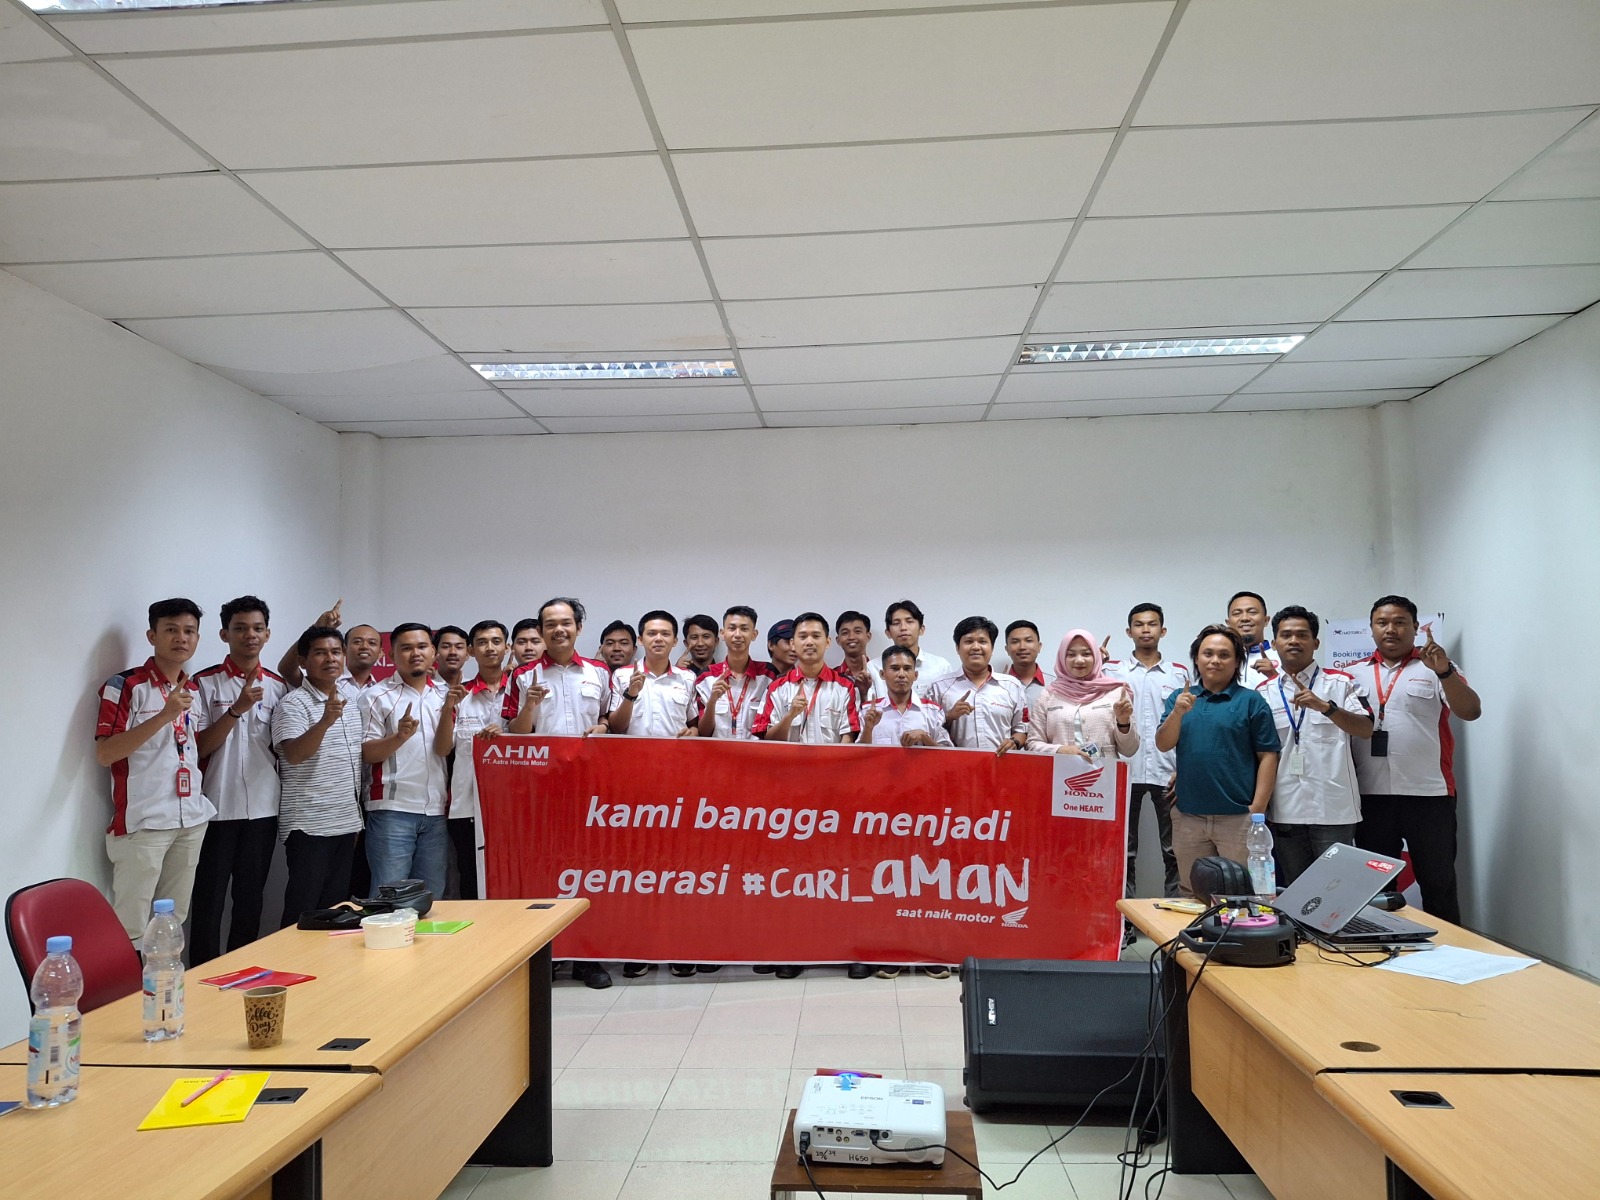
column 1263, row 869
column 53, row 1033
column 163, row 974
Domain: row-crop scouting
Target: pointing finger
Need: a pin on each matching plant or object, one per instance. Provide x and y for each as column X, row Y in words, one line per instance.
column 408, row 712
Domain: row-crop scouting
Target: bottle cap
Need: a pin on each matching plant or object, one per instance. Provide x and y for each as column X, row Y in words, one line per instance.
column 60, row 944
column 162, row 906
column 1255, row 819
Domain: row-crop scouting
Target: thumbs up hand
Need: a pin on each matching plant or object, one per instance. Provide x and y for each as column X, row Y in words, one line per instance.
column 1185, row 700
column 1433, row 655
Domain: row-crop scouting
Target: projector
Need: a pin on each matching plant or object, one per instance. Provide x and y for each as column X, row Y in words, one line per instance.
column 857, row 1120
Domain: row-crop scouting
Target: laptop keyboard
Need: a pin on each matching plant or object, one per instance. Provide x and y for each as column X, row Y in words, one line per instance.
column 1362, row 925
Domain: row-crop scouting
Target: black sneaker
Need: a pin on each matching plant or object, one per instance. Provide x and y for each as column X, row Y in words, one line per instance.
column 789, row 971
column 764, row 969
column 635, row 970
column 859, row 971
column 708, row 968
column 682, row 970
column 591, row 974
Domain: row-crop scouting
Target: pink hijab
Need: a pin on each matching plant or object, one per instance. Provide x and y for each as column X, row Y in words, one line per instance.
column 1082, row 691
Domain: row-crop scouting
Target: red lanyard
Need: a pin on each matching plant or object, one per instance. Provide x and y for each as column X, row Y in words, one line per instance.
column 735, row 705
column 1377, row 678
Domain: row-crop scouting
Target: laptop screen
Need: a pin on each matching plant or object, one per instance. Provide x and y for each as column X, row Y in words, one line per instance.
column 1336, row 887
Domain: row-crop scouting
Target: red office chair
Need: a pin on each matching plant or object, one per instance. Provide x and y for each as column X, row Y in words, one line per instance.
column 111, row 966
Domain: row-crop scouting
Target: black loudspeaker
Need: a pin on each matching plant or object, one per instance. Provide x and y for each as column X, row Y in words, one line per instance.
column 1052, row 1032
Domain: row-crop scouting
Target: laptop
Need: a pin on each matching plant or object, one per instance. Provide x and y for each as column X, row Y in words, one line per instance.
column 1329, row 901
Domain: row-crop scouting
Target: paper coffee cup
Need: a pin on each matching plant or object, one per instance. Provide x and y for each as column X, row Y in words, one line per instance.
column 263, row 1016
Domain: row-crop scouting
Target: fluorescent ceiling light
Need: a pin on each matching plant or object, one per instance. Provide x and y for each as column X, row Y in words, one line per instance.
column 697, row 369
column 1067, row 352
column 56, row 6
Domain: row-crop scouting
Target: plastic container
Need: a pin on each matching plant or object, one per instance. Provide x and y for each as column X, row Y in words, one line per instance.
column 1263, row 867
column 54, row 1045
column 163, row 973
column 389, row 931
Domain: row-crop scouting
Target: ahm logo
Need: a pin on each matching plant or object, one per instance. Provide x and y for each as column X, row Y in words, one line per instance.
column 1078, row 785
column 1015, row 920
column 516, row 751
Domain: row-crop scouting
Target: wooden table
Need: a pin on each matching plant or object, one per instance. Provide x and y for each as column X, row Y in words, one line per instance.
column 93, row 1146
column 459, row 1024
column 953, row 1178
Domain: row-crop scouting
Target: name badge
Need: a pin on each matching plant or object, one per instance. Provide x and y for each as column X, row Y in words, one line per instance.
column 185, row 786
column 1378, row 747
column 1297, row 761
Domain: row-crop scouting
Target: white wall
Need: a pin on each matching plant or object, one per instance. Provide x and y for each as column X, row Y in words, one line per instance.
column 127, row 475
column 1507, row 472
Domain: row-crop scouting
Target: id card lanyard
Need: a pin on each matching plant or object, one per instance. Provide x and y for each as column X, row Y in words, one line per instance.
column 1297, row 758
column 1378, row 747
column 183, row 782
column 735, row 705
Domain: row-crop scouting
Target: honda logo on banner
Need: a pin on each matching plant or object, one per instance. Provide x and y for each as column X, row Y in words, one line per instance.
column 1083, row 791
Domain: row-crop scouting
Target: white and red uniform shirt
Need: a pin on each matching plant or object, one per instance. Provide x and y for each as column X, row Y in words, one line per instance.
column 665, row 706
column 830, row 711
column 1000, row 709
column 479, row 709
column 413, row 778
column 1032, row 690
column 242, row 773
column 146, row 792
column 1409, row 702
column 1324, row 792
column 919, row 715
column 736, row 712
column 1150, row 686
column 930, row 667
column 579, row 695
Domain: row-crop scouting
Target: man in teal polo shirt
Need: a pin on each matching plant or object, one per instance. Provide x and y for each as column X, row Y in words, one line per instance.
column 1227, row 748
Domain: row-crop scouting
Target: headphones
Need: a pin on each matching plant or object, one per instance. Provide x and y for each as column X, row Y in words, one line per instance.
column 1214, row 878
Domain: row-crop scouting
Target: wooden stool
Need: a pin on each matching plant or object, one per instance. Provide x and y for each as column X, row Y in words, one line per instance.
column 954, row 1178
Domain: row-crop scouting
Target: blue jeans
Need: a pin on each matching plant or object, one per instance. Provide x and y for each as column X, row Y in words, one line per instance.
column 407, row 846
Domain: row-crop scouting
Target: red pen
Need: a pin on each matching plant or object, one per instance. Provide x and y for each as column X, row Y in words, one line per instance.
column 195, row 1095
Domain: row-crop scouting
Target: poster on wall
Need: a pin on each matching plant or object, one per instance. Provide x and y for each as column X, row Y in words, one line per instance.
column 1350, row 640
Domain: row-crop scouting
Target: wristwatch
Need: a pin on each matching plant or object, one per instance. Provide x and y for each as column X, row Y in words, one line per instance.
column 1330, row 710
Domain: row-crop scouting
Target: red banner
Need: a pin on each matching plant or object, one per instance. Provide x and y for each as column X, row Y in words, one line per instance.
column 724, row 851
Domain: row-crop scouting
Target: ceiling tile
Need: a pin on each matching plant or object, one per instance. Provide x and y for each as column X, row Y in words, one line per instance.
column 1183, row 303
column 876, row 416
column 1479, row 292
column 894, row 360
column 1271, row 401
column 1359, row 376
column 137, row 218
column 1344, row 340
column 64, row 121
column 633, row 11
column 1571, row 169
column 493, row 427
column 298, row 342
column 187, row 287
column 623, row 329
column 1372, row 58
column 465, row 204
column 877, row 78
column 438, row 372
column 657, row 424
column 424, row 406
column 842, row 319
column 915, row 260
column 511, row 97
column 1257, row 168
column 594, row 273
column 889, row 393
column 1292, row 243
column 22, row 39
column 284, row 24
column 668, row 398
column 1132, row 407
column 903, row 186
column 1526, row 233
column 1134, row 380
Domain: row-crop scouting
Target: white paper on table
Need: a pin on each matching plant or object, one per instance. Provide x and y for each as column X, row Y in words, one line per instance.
column 1453, row 964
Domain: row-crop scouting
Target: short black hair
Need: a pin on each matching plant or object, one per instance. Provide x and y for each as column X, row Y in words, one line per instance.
column 1380, row 602
column 619, row 627
column 525, row 624
column 700, row 621
column 896, row 648
column 481, row 626
column 1226, row 631
column 742, row 610
column 1291, row 611
column 176, row 607
column 1161, row 615
column 571, row 602
column 315, row 634
column 851, row 614
column 658, row 614
column 1016, row 625
column 972, row 625
column 408, row 627
column 244, row 604
column 1256, row 596
column 363, row 625
column 455, row 629
column 812, row 616
column 909, row 606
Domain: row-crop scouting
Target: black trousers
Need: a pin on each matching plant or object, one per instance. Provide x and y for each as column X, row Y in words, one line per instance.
column 464, row 842
column 1157, row 795
column 1427, row 826
column 319, row 872
column 239, row 852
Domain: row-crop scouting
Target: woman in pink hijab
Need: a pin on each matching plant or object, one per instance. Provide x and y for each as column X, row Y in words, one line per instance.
column 1084, row 711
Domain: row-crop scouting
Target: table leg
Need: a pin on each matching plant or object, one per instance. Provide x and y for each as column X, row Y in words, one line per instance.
column 1401, row 1186
column 1199, row 1147
column 524, row 1137
column 301, row 1177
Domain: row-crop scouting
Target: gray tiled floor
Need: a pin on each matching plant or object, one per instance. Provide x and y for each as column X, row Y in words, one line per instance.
column 669, row 1088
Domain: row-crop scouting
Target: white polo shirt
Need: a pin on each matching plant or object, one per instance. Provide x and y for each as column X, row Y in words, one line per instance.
column 144, row 786
column 1252, row 677
column 737, row 711
column 479, row 709
column 666, row 701
column 1000, row 709
column 930, row 669
column 412, row 779
column 830, row 711
column 1151, row 686
column 1421, row 759
column 1325, row 791
column 919, row 715
column 580, row 694
column 1032, row 691
column 242, row 774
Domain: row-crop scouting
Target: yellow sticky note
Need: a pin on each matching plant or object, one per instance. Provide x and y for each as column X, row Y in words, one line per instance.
column 225, row 1104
